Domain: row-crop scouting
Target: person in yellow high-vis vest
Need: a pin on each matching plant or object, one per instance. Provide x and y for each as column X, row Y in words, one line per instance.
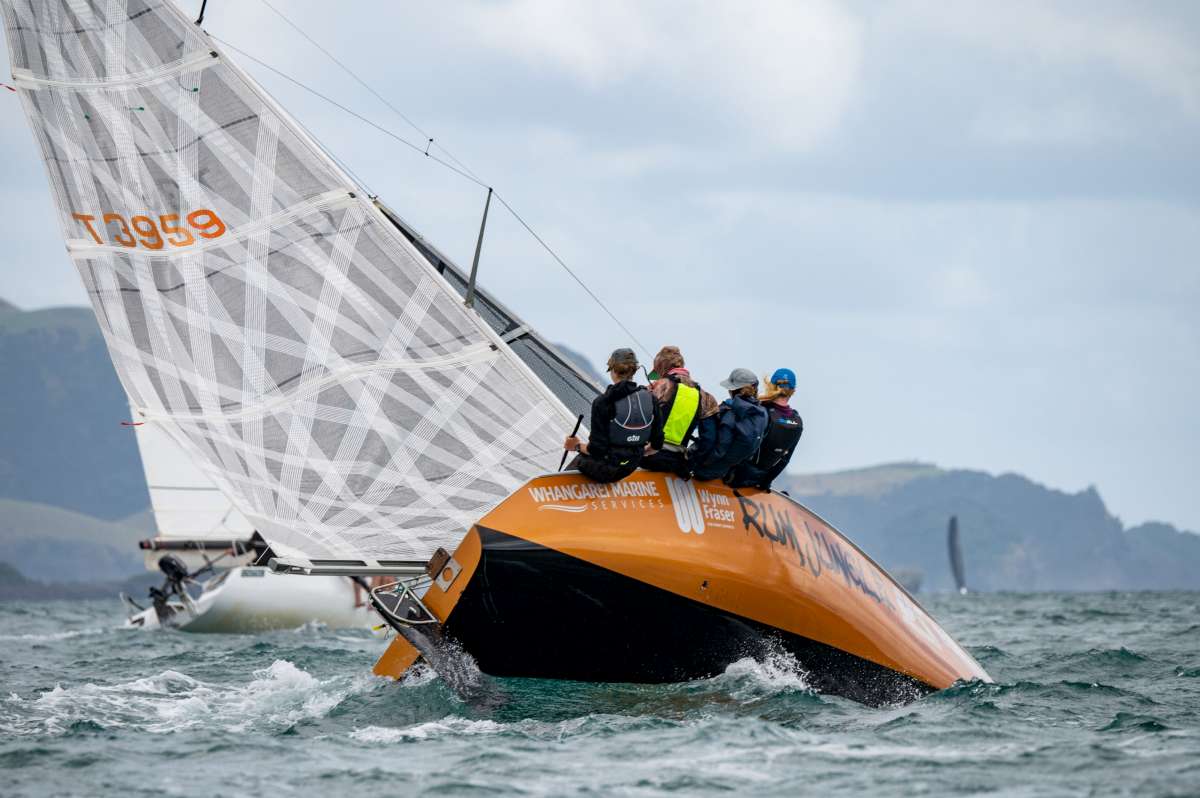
column 683, row 404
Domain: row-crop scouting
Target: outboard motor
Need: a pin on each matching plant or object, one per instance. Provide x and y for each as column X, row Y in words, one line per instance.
column 176, row 573
column 174, row 568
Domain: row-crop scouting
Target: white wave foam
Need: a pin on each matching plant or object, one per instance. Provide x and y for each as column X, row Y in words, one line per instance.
column 418, row 675
column 54, row 635
column 311, row 628
column 277, row 697
column 777, row 672
column 446, row 727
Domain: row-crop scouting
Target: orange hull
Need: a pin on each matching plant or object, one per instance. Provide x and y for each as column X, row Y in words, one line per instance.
column 679, row 576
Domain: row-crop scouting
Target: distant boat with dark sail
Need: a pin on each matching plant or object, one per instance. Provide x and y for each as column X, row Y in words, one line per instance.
column 956, row 556
column 372, row 413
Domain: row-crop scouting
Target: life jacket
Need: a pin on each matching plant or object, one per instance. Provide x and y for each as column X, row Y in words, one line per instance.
column 633, row 420
column 682, row 413
column 783, row 433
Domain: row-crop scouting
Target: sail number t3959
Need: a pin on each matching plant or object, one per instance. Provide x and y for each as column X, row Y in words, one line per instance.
column 149, row 232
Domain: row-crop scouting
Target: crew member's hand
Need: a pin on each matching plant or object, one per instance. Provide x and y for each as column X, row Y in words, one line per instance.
column 570, row 443
column 649, row 451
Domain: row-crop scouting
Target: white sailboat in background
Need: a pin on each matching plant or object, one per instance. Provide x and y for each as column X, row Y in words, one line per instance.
column 199, row 527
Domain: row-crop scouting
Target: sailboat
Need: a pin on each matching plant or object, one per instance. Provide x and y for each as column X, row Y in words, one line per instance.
column 206, row 550
column 954, row 544
column 371, row 412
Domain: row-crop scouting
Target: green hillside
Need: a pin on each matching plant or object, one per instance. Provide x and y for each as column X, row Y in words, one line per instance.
column 870, row 481
column 61, row 439
column 14, row 586
column 51, row 544
column 1016, row 534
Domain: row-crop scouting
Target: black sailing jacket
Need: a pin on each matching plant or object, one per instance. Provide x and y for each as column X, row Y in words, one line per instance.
column 603, row 410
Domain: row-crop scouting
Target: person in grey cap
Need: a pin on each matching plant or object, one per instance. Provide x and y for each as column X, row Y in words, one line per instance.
column 739, row 428
column 625, row 420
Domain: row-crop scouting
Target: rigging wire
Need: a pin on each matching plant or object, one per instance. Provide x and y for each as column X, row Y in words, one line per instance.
column 368, row 87
column 351, row 112
column 571, row 272
column 345, row 166
column 458, row 167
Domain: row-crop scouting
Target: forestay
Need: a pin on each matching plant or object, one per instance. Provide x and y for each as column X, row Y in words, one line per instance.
column 259, row 309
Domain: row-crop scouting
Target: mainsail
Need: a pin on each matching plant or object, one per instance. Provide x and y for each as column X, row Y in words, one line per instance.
column 261, row 311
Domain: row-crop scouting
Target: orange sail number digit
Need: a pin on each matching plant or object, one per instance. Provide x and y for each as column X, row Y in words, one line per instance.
column 170, row 225
column 87, row 220
column 213, row 228
column 147, row 232
column 124, row 237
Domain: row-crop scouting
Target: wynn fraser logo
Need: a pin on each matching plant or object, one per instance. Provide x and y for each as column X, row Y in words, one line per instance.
column 697, row 508
column 617, row 495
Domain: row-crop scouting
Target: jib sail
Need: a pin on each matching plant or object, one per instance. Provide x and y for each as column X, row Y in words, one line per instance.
column 260, row 310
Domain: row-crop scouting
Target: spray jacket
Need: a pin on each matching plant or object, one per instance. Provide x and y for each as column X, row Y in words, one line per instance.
column 734, row 436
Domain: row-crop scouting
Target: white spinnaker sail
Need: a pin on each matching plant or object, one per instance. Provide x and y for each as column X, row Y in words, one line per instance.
column 257, row 306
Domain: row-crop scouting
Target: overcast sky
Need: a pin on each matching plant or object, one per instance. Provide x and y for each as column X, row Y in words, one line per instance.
column 971, row 228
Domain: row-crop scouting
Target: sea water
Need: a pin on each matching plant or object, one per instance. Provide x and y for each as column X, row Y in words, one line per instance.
column 1095, row 694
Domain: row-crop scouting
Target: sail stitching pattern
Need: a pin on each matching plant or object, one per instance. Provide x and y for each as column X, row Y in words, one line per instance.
column 25, row 79
column 290, row 342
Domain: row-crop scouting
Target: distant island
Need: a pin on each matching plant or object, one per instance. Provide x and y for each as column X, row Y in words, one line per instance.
column 1016, row 534
column 73, row 498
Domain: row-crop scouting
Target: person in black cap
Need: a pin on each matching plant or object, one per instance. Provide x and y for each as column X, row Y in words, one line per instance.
column 625, row 420
column 740, row 425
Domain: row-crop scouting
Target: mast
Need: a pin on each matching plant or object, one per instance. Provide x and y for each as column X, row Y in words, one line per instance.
column 470, row 300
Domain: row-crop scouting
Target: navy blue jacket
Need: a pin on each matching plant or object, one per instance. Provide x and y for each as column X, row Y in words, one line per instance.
column 740, row 426
column 761, row 470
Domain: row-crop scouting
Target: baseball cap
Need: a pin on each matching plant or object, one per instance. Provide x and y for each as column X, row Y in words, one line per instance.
column 784, row 377
column 622, row 357
column 739, row 378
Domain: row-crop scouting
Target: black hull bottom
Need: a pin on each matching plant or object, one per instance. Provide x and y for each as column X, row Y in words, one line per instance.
column 534, row 612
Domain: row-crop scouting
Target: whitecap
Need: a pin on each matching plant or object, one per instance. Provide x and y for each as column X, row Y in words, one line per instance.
column 278, row 696
column 448, row 726
column 49, row 636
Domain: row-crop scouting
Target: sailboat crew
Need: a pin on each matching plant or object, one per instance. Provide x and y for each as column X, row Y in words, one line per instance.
column 736, row 430
column 784, row 428
column 625, row 420
column 683, row 405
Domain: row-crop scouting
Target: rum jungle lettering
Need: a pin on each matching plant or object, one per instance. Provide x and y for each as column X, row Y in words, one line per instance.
column 817, row 550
